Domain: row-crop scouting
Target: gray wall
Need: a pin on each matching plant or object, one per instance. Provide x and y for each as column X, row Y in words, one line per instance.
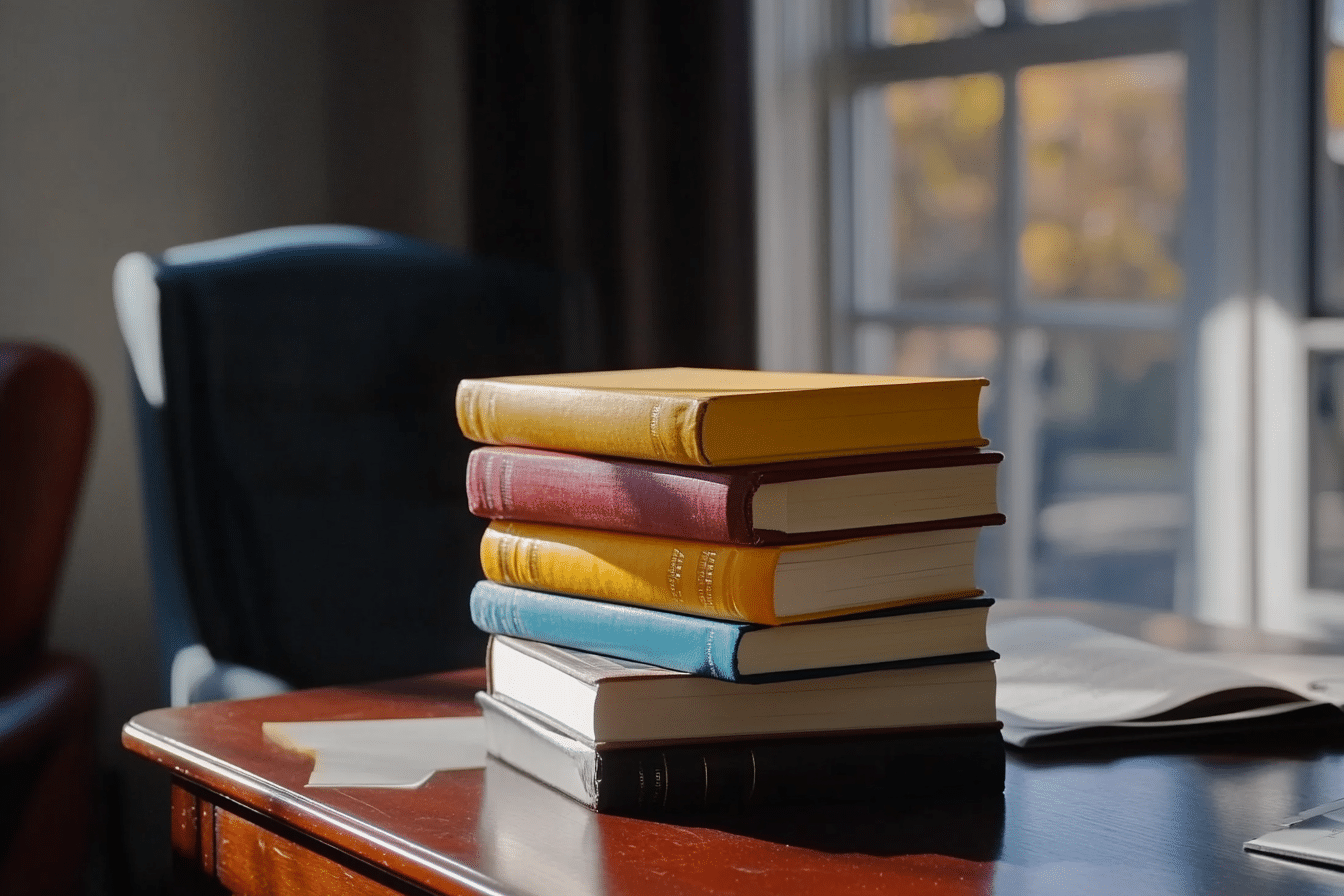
column 140, row 124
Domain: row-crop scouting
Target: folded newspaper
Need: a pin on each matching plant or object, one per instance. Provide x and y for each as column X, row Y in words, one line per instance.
column 1061, row 682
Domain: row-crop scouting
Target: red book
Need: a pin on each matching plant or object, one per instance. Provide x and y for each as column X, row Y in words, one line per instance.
column 782, row 503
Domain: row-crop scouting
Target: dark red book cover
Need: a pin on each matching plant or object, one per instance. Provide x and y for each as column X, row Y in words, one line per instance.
column 700, row 503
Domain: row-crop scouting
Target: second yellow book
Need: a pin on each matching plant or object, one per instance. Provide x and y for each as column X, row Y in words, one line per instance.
column 768, row 585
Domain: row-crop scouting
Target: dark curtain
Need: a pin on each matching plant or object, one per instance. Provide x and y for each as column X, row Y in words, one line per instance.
column 612, row 139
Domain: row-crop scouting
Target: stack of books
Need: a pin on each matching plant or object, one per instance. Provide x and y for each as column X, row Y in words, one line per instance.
column 711, row 589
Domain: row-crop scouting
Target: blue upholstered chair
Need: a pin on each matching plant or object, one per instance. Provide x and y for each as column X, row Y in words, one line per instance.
column 302, row 467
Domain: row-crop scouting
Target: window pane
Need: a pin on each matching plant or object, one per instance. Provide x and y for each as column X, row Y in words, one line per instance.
column 1103, row 179
column 1111, row 509
column 944, row 182
column 1066, row 10
column 946, row 351
column 1329, row 153
column 928, row 351
column 1326, row 459
column 920, row 21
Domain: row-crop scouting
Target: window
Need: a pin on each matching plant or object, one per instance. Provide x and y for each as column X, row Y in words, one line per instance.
column 1101, row 205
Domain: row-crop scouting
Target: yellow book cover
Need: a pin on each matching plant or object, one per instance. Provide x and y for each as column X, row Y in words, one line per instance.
column 767, row 585
column 700, row 417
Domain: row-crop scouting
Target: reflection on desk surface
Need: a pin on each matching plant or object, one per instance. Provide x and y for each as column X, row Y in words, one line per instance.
column 538, row 841
column 1105, row 821
column 535, row 839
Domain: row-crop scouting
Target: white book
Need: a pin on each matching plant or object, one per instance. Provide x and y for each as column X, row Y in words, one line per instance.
column 609, row 701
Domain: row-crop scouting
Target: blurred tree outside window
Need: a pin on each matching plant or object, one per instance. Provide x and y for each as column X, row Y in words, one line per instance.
column 1104, row 161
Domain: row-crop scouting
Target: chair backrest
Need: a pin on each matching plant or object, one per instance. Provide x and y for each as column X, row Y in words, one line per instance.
column 46, row 420
column 299, row 441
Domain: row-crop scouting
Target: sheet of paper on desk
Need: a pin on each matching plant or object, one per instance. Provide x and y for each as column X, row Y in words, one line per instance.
column 1316, row 835
column 1059, row 679
column 383, row 752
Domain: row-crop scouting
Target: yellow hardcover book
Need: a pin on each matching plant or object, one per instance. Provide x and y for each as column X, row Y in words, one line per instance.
column 698, row 417
column 768, row 585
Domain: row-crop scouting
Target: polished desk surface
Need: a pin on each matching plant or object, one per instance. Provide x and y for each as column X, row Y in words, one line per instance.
column 1134, row 820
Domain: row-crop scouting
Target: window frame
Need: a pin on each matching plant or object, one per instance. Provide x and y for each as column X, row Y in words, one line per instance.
column 1242, row 326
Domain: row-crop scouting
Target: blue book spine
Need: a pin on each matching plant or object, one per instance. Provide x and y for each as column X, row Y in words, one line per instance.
column 692, row 644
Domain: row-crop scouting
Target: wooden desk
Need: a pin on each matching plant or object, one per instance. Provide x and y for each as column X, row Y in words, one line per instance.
column 1099, row 821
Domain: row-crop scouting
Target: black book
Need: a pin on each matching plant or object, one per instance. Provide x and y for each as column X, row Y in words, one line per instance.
column 735, row 774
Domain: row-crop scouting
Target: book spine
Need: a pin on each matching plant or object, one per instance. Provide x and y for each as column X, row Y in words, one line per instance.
column 670, row 640
column 623, row 424
column 598, row 493
column 703, row 579
column 660, row 781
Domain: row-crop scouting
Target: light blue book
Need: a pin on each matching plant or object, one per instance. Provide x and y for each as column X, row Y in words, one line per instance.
column 949, row 631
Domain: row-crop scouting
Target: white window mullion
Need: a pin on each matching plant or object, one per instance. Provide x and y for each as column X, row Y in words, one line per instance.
column 874, row 282
column 1021, row 354
column 1283, row 501
column 792, row 47
column 1218, row 579
column 846, row 210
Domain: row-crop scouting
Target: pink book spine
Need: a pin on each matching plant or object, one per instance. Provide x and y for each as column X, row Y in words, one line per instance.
column 596, row 493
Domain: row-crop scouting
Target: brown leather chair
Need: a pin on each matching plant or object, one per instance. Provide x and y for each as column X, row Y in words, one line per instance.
column 48, row 701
